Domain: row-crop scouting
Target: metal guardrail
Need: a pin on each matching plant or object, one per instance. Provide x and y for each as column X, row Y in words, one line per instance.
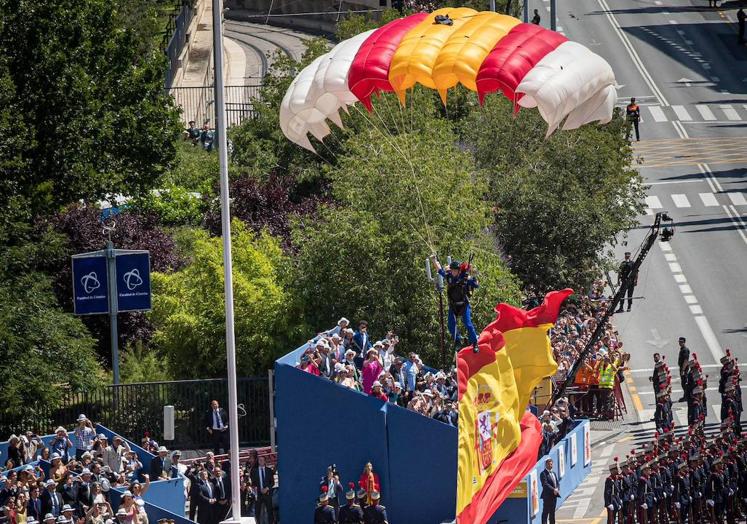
column 175, row 38
column 197, row 103
column 136, row 409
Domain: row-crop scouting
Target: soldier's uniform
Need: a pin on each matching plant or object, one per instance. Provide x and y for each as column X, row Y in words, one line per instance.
column 351, row 513
column 613, row 493
column 324, row 513
column 645, row 496
column 362, row 498
column 715, row 492
column 628, row 493
column 375, row 513
column 682, row 494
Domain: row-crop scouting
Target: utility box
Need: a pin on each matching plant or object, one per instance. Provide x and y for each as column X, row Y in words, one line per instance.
column 168, row 423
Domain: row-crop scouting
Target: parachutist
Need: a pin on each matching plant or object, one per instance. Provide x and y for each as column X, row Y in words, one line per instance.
column 459, row 287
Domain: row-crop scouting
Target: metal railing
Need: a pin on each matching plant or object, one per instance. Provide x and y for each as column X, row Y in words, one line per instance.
column 175, row 37
column 133, row 410
column 197, row 103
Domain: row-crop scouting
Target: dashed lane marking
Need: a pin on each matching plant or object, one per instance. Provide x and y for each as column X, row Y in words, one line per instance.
column 709, row 199
column 737, row 198
column 682, row 113
column 705, row 112
column 680, row 200
column 730, row 112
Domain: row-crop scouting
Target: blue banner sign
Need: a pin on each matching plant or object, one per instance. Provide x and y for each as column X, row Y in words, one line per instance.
column 133, row 281
column 90, row 286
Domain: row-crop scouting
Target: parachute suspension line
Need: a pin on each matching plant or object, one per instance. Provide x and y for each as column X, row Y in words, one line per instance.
column 393, row 145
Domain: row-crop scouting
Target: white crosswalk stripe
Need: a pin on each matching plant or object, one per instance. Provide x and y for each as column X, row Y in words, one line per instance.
column 709, row 199
column 657, row 114
column 682, row 113
column 653, row 202
column 680, row 200
column 730, row 112
column 737, row 198
column 717, row 410
column 705, row 112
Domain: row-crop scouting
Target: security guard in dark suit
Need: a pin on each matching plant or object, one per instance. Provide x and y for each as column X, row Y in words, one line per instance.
column 351, row 513
column 375, row 513
column 324, row 513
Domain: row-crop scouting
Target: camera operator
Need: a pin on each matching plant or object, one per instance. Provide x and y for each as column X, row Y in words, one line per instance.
column 248, row 495
column 334, row 487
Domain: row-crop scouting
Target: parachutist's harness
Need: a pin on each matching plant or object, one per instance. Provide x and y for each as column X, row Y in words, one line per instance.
column 443, row 20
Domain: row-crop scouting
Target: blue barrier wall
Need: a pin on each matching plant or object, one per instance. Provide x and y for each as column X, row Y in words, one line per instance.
column 320, row 423
column 519, row 510
column 167, row 494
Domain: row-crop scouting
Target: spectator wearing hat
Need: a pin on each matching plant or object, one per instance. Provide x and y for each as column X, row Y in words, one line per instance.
column 350, row 513
column 99, row 513
column 158, row 469
column 69, row 512
column 49, row 519
column 61, row 444
column 376, row 392
column 121, row 516
column 84, row 436
column 216, row 422
column 375, row 513
column 51, row 500
column 324, row 513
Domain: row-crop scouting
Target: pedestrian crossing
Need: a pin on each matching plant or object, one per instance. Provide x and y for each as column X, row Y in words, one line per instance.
column 696, row 113
column 680, row 414
column 653, row 203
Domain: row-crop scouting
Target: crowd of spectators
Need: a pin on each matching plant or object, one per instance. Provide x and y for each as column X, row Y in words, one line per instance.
column 77, row 488
column 356, row 361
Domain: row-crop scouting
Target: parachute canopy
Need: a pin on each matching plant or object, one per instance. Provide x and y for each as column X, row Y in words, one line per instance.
column 484, row 51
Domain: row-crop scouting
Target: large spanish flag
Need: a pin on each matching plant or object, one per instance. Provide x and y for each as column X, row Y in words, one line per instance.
column 498, row 438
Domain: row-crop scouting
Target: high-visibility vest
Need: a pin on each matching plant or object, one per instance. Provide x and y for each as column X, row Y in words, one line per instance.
column 607, row 377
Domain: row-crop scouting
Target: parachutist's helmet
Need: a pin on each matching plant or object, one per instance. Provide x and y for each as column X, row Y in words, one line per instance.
column 454, row 264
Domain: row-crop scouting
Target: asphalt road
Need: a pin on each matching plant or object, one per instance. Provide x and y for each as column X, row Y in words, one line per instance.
column 681, row 61
column 260, row 43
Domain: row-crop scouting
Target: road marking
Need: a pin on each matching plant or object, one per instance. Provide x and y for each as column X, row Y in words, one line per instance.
column 691, row 299
column 737, row 220
column 709, row 337
column 705, row 112
column 667, row 182
column 680, row 278
column 682, row 113
column 607, row 451
column 657, row 113
column 657, row 2
column 665, row 246
column 737, row 198
column 680, row 200
column 670, row 257
column 649, row 370
column 685, row 289
column 674, row 268
column 653, row 202
column 695, row 309
column 709, row 199
column 679, row 391
column 632, row 52
column 673, row 22
column 730, row 112
column 717, row 410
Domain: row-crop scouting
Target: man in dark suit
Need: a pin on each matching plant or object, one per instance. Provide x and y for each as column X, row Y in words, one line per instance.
column 216, row 423
column 157, row 464
column 550, row 492
column 263, row 478
column 205, row 500
column 222, row 494
column 34, row 506
column 51, row 500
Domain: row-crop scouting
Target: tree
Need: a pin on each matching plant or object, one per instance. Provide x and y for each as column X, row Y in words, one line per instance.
column 189, row 310
column 45, row 351
column 398, row 199
column 93, row 104
column 558, row 202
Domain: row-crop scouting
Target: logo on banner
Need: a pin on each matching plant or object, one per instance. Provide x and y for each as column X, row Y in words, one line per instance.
column 132, row 279
column 90, row 282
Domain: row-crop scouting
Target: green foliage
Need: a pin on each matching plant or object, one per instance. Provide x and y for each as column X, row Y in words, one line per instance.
column 188, row 307
column 173, row 205
column 399, row 198
column 44, row 350
column 139, row 364
column 96, row 116
column 194, row 169
column 560, row 201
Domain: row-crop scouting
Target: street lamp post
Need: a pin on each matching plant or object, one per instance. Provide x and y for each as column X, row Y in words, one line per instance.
column 220, row 129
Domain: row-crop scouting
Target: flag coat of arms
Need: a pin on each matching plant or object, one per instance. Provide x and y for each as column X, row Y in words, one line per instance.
column 498, row 439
